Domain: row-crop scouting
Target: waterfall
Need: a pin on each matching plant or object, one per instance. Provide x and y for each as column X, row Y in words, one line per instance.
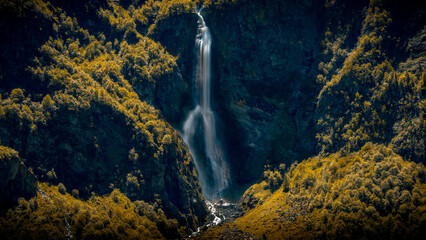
column 199, row 129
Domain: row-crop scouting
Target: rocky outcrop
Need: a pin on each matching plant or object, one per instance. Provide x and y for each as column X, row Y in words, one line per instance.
column 24, row 28
column 95, row 150
column 16, row 180
column 174, row 95
column 95, row 139
column 269, row 59
column 263, row 78
column 264, row 81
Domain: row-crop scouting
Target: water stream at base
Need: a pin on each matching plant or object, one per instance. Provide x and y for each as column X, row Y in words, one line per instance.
column 209, row 159
column 221, row 211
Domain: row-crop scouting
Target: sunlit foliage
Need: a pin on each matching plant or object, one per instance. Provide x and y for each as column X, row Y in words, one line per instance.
column 372, row 193
column 56, row 215
column 88, row 80
column 144, row 18
column 365, row 183
column 370, row 116
column 367, row 99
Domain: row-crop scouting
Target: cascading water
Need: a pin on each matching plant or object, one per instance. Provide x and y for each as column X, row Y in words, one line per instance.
column 209, row 158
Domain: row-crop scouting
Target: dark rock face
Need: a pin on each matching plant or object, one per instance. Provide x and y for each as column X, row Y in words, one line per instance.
column 16, row 180
column 265, row 81
column 93, row 150
column 24, row 29
column 173, row 95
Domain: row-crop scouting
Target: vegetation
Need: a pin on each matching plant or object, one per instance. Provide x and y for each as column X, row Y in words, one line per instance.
column 371, row 126
column 365, row 98
column 145, row 17
column 82, row 117
column 17, row 180
column 83, row 74
column 53, row 215
column 89, row 85
column 372, row 193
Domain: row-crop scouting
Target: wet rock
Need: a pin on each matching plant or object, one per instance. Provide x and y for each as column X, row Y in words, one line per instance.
column 174, row 95
column 265, row 80
column 16, row 180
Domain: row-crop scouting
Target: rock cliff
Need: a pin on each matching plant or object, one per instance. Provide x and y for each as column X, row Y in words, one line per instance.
column 264, row 100
column 78, row 120
column 17, row 181
column 94, row 99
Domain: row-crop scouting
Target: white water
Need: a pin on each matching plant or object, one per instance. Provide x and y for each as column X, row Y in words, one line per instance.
column 220, row 212
column 212, row 168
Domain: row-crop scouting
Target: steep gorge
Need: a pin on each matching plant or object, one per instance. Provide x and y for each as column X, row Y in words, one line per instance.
column 333, row 85
column 265, row 101
column 76, row 122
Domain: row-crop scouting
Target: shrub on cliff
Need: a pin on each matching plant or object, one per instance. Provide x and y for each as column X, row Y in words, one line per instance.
column 16, row 180
column 366, row 98
column 371, row 193
column 91, row 109
column 53, row 215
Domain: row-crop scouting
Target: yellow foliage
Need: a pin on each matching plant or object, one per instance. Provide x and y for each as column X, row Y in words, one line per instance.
column 51, row 215
column 86, row 75
column 370, row 193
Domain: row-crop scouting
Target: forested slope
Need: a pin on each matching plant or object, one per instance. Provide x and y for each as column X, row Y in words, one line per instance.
column 321, row 104
column 78, row 109
column 368, row 180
